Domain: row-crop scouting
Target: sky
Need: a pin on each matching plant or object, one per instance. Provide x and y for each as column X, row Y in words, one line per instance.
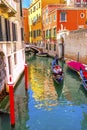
column 25, row 3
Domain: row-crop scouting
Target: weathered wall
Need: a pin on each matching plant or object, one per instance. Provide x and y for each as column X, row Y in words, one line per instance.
column 76, row 46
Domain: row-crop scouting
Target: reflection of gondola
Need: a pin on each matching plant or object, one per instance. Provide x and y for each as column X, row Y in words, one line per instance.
column 83, row 90
column 58, row 89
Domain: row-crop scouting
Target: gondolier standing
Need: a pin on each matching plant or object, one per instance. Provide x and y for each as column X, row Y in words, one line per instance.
column 55, row 61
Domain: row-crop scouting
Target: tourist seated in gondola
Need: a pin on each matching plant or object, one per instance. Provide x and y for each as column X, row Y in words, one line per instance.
column 55, row 66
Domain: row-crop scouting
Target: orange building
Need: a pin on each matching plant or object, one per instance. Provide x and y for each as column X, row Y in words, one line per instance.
column 71, row 18
column 61, row 17
column 25, row 25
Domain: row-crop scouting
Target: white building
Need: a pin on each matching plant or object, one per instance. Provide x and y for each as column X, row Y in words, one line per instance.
column 12, row 52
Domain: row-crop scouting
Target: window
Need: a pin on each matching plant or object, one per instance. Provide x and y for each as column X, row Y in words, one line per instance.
column 54, row 32
column 34, row 32
column 1, row 34
column 14, row 31
column 22, row 34
column 4, row 29
column 46, row 46
column 9, row 64
column 31, row 34
column 15, row 59
column 7, row 27
column 50, row 19
column 85, row 1
column 39, row 4
column 49, row 46
column 82, row 15
column 54, row 16
column 46, row 20
column 39, row 32
column 46, row 33
column 46, row 11
column 31, row 11
column 78, row 1
column 54, row 47
column 63, row 16
column 34, row 8
column 50, row 33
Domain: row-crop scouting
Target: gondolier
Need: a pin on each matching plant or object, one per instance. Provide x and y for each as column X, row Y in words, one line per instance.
column 55, row 61
column 57, row 70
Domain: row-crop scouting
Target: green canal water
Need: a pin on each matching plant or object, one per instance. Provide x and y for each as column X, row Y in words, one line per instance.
column 48, row 105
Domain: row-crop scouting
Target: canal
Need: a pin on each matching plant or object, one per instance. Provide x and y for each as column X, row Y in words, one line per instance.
column 48, row 105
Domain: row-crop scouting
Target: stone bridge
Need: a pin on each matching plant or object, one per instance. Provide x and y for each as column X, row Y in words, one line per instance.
column 33, row 48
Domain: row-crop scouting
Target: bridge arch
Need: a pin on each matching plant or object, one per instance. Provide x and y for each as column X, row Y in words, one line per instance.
column 34, row 48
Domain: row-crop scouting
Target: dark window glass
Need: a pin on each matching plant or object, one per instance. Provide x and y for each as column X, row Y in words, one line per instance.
column 14, row 31
column 63, row 16
column 7, row 27
column 22, row 34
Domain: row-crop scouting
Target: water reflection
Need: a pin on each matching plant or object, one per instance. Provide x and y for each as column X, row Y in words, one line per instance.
column 47, row 105
column 60, row 104
column 4, row 121
column 42, row 86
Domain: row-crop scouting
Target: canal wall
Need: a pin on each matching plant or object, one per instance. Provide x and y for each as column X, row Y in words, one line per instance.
column 75, row 45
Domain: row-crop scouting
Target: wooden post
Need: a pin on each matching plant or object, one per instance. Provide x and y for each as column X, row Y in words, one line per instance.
column 26, row 76
column 11, row 98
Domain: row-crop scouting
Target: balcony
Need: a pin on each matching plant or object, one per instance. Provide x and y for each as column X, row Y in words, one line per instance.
column 8, row 6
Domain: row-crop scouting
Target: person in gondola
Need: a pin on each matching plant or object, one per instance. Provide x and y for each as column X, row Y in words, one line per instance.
column 55, row 61
column 55, row 66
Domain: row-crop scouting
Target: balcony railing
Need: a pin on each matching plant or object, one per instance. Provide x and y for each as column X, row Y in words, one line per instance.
column 8, row 6
column 12, row 3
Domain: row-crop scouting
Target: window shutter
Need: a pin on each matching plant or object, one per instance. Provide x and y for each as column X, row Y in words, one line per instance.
column 3, row 28
column 1, row 36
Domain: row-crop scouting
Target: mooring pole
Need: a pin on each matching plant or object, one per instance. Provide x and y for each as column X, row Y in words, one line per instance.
column 11, row 98
column 26, row 76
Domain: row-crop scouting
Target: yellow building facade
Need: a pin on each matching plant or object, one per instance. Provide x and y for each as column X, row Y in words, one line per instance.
column 35, row 19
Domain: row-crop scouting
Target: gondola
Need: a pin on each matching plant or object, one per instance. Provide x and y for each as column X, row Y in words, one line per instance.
column 57, row 74
column 83, row 76
column 80, row 69
column 75, row 65
column 42, row 54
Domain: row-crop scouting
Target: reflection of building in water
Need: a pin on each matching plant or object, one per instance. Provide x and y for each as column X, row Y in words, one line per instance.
column 4, row 121
column 43, row 88
column 21, row 111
